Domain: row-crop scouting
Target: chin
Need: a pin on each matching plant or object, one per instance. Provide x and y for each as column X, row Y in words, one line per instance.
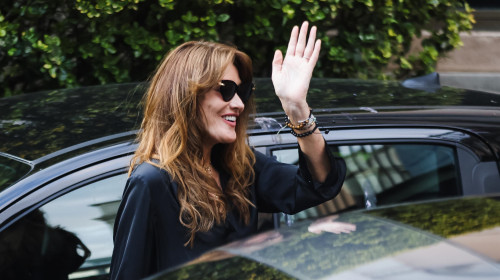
column 228, row 140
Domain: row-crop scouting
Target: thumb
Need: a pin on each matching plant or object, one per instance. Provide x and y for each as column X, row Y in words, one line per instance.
column 277, row 61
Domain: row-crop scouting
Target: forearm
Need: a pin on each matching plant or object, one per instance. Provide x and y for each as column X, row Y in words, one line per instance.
column 313, row 146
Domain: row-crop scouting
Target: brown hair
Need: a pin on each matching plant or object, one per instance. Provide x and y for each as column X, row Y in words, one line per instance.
column 171, row 132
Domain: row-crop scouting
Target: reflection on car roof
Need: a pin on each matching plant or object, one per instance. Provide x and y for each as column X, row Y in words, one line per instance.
column 386, row 242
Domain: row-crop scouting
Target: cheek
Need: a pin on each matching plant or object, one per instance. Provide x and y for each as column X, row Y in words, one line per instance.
column 213, row 109
column 208, row 117
column 209, row 104
column 209, row 114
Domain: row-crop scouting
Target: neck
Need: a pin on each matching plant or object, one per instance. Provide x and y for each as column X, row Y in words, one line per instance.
column 207, row 153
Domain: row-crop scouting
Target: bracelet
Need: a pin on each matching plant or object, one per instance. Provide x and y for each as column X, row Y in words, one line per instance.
column 305, row 133
column 303, row 125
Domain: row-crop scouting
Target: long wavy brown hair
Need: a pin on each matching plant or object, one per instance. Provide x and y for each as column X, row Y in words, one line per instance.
column 172, row 128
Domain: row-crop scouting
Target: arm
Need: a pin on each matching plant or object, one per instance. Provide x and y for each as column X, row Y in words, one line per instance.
column 291, row 77
column 132, row 233
column 281, row 187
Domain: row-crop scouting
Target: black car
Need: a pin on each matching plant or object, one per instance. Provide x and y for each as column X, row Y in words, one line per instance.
column 455, row 238
column 64, row 158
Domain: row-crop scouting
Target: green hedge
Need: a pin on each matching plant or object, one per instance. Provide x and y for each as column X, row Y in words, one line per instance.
column 52, row 44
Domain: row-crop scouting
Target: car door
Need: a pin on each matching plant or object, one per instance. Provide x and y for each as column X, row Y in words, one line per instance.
column 395, row 165
column 65, row 229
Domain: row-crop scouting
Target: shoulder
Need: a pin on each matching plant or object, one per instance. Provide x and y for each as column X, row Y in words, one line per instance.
column 147, row 170
column 149, row 176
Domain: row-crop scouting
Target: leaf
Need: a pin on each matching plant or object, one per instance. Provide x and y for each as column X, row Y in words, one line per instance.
column 53, row 72
column 405, row 64
column 11, row 51
column 223, row 17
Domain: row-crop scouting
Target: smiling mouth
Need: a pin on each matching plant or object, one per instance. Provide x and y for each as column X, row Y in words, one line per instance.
column 230, row 118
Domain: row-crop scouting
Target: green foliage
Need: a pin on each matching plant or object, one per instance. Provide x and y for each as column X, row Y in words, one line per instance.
column 226, row 268
column 305, row 255
column 52, row 44
column 447, row 218
column 317, row 256
column 308, row 255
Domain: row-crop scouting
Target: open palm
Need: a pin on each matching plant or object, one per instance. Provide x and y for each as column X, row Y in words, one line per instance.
column 291, row 76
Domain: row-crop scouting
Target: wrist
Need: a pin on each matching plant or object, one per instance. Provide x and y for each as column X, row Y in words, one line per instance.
column 302, row 124
column 302, row 128
column 296, row 112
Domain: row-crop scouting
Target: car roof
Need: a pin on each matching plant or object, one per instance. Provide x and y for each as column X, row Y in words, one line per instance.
column 347, row 103
column 40, row 126
column 429, row 240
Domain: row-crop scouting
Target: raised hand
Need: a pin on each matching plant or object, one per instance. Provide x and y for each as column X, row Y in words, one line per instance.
column 291, row 76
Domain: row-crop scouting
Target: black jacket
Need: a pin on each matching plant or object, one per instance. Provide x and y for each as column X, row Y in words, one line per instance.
column 148, row 236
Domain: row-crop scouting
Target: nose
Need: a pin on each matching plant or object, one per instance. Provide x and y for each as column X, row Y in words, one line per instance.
column 237, row 103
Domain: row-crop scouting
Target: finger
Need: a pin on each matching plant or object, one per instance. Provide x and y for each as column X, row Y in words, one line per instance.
column 277, row 61
column 293, row 41
column 301, row 43
column 314, row 230
column 310, row 43
column 315, row 54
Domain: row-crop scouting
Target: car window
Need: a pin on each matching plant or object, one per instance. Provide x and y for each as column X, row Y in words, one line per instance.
column 11, row 170
column 72, row 234
column 382, row 174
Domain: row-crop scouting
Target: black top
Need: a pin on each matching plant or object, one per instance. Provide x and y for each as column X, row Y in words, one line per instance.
column 148, row 236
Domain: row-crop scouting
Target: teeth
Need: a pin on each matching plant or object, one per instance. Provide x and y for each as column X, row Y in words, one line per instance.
column 230, row 118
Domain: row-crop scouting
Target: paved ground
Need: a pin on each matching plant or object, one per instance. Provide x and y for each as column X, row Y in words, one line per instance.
column 476, row 65
column 477, row 81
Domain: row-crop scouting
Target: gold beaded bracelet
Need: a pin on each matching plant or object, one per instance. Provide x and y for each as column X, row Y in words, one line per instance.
column 303, row 125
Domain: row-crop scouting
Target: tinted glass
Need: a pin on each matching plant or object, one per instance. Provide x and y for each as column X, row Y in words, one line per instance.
column 11, row 171
column 472, row 222
column 70, row 235
column 228, row 268
column 388, row 173
column 363, row 247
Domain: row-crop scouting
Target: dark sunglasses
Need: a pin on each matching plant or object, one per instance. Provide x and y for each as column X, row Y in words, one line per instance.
column 228, row 89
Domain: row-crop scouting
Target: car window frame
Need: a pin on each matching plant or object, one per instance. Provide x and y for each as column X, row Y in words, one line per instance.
column 465, row 152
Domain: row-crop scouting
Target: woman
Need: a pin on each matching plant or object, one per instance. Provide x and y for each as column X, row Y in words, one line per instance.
column 195, row 183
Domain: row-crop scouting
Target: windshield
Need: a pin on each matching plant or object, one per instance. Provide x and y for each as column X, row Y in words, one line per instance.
column 11, row 170
column 220, row 265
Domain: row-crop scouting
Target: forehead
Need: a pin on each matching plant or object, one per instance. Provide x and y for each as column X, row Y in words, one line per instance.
column 231, row 73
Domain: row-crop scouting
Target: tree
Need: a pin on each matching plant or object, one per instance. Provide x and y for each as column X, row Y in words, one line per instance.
column 52, row 44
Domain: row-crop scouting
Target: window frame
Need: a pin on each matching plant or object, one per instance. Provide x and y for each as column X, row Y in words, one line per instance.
column 469, row 149
column 459, row 186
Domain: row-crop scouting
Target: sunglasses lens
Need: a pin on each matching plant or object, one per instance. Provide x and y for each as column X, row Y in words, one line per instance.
column 245, row 90
column 228, row 90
